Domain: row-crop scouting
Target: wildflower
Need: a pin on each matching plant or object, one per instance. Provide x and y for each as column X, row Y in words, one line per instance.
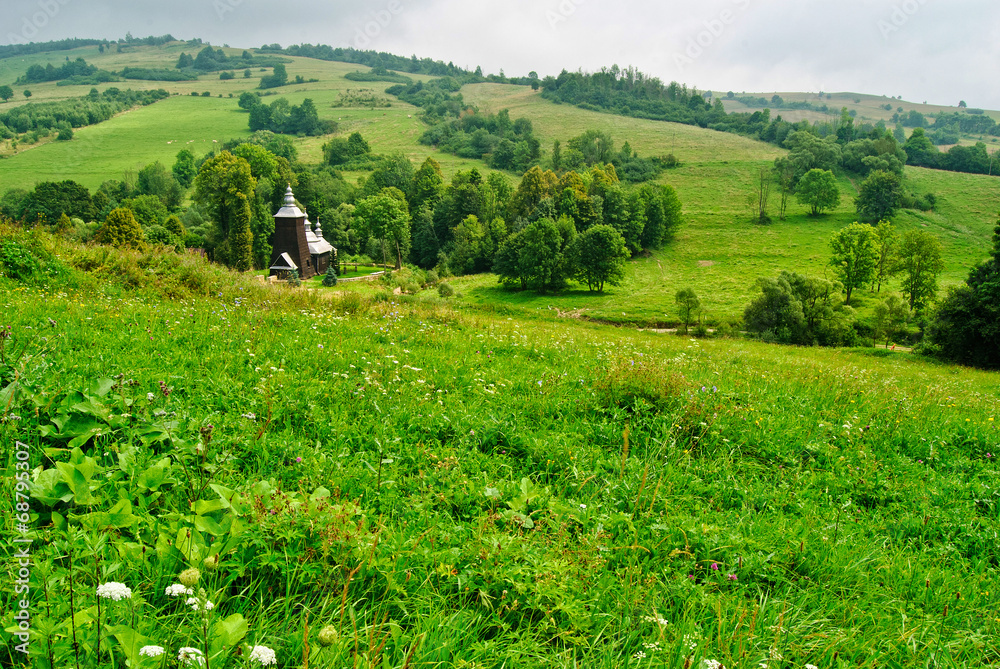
column 176, row 590
column 211, row 563
column 189, row 577
column 150, row 396
column 298, row 459
column 711, row 664
column 732, row 577
column 151, row 651
column 196, row 605
column 115, row 591
column 249, row 416
column 320, row 348
column 263, row 655
column 583, row 506
column 328, row 636
column 715, row 567
column 638, row 655
column 811, row 666
column 190, row 656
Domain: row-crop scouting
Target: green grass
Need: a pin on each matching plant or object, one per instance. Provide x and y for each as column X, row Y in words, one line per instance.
column 128, row 142
column 459, row 488
column 717, row 251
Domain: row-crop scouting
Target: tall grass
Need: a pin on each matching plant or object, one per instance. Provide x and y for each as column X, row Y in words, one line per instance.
column 465, row 489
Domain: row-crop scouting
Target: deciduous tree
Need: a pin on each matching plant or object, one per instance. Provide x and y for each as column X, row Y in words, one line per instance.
column 818, row 189
column 383, row 217
column 879, row 196
column 855, row 256
column 598, row 256
column 966, row 325
column 920, row 263
column 688, row 305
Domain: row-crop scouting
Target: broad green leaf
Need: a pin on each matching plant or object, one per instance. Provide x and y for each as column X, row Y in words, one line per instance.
column 229, row 632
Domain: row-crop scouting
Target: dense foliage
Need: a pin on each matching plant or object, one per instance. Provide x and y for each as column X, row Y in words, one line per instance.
column 77, row 112
column 284, row 118
column 966, row 324
column 373, row 59
column 504, row 144
column 629, row 92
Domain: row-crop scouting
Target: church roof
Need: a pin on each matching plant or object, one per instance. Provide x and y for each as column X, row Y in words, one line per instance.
column 290, row 210
column 317, row 245
column 284, row 263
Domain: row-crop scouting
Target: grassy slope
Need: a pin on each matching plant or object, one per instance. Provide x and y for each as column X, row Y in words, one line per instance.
column 717, row 252
column 831, row 484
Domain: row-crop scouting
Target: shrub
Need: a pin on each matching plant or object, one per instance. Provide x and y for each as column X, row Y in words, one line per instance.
column 121, row 229
column 445, row 290
column 330, row 278
column 293, row 279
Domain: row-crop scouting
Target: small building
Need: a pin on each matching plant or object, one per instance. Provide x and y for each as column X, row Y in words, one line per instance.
column 303, row 249
column 282, row 267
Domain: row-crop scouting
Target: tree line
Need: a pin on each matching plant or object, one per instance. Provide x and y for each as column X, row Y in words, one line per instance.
column 470, row 224
column 90, row 109
column 629, row 92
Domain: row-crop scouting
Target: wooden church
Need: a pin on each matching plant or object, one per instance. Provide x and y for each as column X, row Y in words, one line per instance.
column 294, row 244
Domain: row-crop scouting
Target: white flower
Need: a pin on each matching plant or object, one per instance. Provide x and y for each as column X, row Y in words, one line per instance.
column 811, row 666
column 263, row 655
column 176, row 590
column 151, row 651
column 583, row 506
column 190, row 656
column 195, row 604
column 115, row 591
column 639, row 655
column 712, row 664
column 150, row 396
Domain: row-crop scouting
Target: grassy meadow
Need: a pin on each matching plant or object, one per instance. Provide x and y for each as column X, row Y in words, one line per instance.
column 418, row 485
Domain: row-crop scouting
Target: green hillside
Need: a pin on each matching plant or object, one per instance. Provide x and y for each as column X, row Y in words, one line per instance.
column 717, row 251
column 467, row 488
column 423, row 471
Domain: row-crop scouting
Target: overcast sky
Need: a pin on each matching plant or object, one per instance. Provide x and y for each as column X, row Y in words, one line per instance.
column 934, row 50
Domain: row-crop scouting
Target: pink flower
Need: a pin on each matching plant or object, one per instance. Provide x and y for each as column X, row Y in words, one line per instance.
column 299, row 459
column 715, row 567
column 732, row 577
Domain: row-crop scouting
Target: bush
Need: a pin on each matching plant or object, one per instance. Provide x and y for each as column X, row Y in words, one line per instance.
column 445, row 290
column 293, row 279
column 431, row 277
column 65, row 134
